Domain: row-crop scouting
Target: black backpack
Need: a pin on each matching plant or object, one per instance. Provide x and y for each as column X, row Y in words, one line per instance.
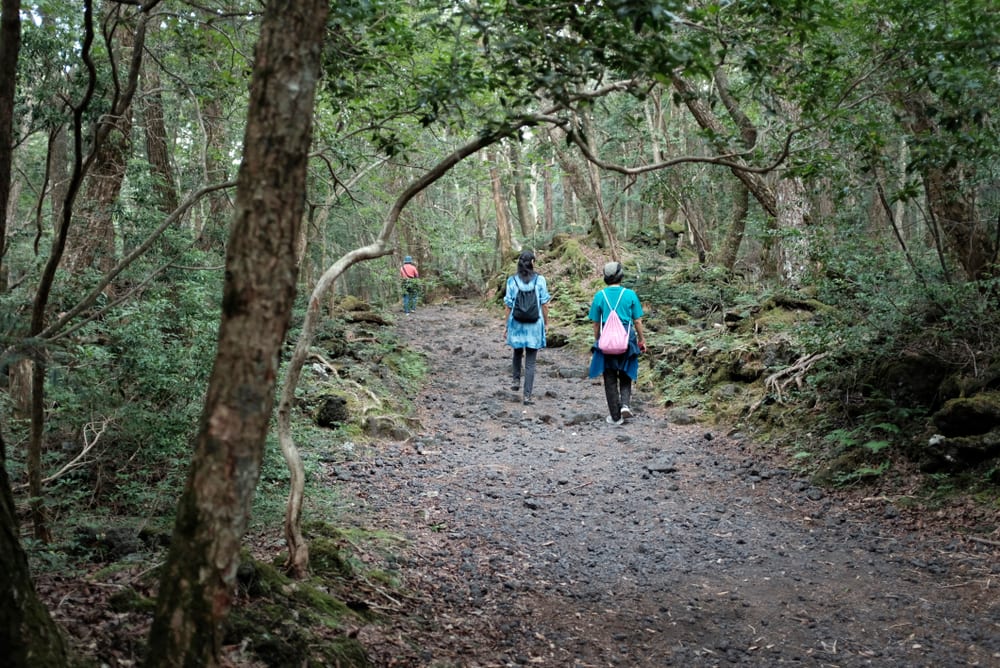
column 526, row 304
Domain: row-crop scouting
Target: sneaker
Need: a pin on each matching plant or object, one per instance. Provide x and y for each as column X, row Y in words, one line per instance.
column 626, row 412
column 528, row 402
column 611, row 420
column 515, row 386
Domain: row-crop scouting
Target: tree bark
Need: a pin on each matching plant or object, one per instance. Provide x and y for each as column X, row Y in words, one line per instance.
column 524, row 217
column 157, row 147
column 28, row 636
column 505, row 240
column 741, row 193
column 596, row 193
column 200, row 573
column 950, row 197
column 10, row 49
column 91, row 243
column 210, row 235
column 548, row 199
column 707, row 120
column 737, row 226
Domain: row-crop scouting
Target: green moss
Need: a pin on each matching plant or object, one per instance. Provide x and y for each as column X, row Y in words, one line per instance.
column 286, row 622
column 569, row 253
column 129, row 600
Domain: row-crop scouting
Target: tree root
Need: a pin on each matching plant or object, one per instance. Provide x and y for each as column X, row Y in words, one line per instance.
column 779, row 380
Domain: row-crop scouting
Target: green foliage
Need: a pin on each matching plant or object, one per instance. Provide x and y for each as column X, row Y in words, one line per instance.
column 848, row 478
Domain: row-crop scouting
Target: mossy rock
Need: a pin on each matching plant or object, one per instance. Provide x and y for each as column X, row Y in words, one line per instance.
column 910, row 379
column 969, row 416
column 960, row 453
column 386, row 426
column 325, row 558
column 332, row 412
column 351, row 304
column 569, row 253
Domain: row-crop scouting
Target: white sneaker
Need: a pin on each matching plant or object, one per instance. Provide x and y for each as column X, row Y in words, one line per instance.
column 611, row 420
column 626, row 412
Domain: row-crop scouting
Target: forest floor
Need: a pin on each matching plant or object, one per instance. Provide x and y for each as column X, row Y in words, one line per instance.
column 542, row 536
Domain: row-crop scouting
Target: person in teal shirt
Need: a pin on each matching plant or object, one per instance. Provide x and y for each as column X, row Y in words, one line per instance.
column 526, row 338
column 618, row 371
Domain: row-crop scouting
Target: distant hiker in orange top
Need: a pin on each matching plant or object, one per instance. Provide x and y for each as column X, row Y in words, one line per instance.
column 411, row 286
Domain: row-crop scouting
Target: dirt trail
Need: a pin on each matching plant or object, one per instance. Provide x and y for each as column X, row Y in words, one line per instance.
column 542, row 536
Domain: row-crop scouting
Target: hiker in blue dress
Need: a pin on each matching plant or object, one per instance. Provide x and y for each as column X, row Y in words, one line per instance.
column 526, row 338
column 619, row 371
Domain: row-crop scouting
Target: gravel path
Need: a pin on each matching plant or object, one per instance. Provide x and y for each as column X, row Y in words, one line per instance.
column 542, row 536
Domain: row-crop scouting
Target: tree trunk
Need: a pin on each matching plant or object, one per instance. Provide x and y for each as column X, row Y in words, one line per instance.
column 741, row 194
column 28, row 636
column 548, row 199
column 157, row 147
column 524, row 217
column 737, row 226
column 950, row 197
column 577, row 186
column 10, row 49
column 91, row 242
column 707, row 120
column 200, row 573
column 505, row 240
column 793, row 212
column 596, row 193
column 211, row 234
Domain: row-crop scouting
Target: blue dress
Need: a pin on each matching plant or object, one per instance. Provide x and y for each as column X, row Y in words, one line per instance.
column 628, row 309
column 526, row 334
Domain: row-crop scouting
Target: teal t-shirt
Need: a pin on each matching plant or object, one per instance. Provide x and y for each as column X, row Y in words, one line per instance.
column 628, row 308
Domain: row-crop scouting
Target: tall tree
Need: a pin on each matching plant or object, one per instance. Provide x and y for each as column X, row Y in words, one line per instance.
column 91, row 242
column 10, row 49
column 28, row 636
column 157, row 146
column 200, row 573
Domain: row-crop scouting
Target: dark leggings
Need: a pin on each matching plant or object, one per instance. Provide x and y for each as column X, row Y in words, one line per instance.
column 529, row 355
column 617, row 390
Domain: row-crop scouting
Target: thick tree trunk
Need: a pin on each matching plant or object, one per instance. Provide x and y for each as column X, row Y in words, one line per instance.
column 741, row 194
column 737, row 226
column 91, row 242
column 157, row 147
column 10, row 49
column 793, row 211
column 582, row 184
column 950, row 197
column 200, row 573
column 28, row 636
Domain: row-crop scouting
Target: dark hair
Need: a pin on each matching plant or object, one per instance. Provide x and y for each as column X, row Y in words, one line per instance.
column 526, row 266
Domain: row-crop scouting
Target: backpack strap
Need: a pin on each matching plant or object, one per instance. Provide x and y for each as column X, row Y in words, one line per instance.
column 615, row 307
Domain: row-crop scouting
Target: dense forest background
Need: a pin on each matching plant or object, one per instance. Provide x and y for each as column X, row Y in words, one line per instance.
column 804, row 193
